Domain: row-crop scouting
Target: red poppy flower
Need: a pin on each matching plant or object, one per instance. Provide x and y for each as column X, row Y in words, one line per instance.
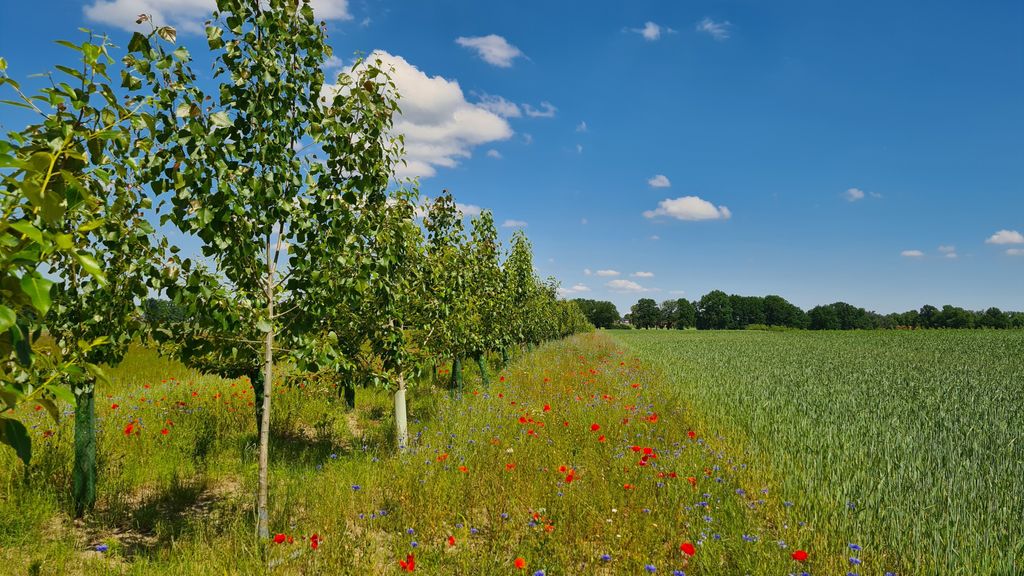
column 279, row 538
column 409, row 564
column 595, row 427
column 562, row 469
column 442, row 457
column 601, row 438
column 451, row 540
column 627, row 486
column 522, row 419
column 314, row 541
column 636, row 448
column 691, row 434
column 129, row 428
column 502, row 379
column 547, row 407
column 165, row 431
column 463, row 469
column 653, row 418
column 115, row 406
column 570, row 477
column 687, row 548
column 692, row 480
column 38, row 407
column 635, row 385
column 509, row 466
column 799, row 555
column 520, row 563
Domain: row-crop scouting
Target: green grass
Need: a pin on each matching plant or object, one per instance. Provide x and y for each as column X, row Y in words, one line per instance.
column 917, row 430
column 182, row 503
column 907, row 443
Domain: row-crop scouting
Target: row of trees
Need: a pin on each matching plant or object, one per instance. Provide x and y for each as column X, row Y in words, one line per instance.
column 309, row 253
column 717, row 310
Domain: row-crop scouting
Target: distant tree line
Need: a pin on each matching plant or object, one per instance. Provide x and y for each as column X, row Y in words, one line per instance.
column 717, row 310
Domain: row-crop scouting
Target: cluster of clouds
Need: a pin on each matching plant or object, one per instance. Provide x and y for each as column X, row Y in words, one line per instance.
column 1008, row 237
column 856, row 195
column 652, row 31
column 684, row 207
column 1011, row 238
column 621, row 285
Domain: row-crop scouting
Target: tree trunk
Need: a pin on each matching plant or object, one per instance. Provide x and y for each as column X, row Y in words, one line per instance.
column 349, row 392
column 457, row 376
column 504, row 357
column 83, row 479
column 256, row 379
column 262, row 513
column 481, row 362
column 401, row 419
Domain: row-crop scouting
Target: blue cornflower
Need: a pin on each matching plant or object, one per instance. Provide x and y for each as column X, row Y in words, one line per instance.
column 651, row 568
column 855, row 547
column 410, row 531
column 356, row 487
column 539, row 573
column 605, row 557
column 854, row 561
column 102, row 548
column 678, row 573
column 414, row 543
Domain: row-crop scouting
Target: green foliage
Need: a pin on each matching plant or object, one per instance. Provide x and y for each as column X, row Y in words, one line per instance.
column 600, row 313
column 72, row 207
column 645, row 314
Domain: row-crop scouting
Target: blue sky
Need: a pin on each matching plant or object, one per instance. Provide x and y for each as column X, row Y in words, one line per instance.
column 871, row 152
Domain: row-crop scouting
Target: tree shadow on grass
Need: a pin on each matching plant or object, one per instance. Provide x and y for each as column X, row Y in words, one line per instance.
column 148, row 522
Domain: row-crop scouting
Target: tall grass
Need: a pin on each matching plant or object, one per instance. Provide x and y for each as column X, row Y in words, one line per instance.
column 515, row 471
column 908, row 443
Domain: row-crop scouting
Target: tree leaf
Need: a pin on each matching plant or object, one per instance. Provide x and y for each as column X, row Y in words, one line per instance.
column 14, row 434
column 138, row 43
column 168, row 33
column 37, row 289
column 220, row 119
column 7, row 318
column 91, row 265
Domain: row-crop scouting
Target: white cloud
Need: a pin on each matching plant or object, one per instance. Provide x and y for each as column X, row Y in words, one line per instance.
column 912, row 253
column 185, row 15
column 689, row 208
column 655, row 237
column 588, row 271
column 659, row 181
column 499, row 106
column 582, row 126
column 1006, row 237
column 468, row 209
column 650, row 31
column 439, row 125
column 579, row 148
column 717, row 30
column 1015, row 251
column 642, row 274
column 514, row 224
column 574, row 289
column 546, row 110
column 621, row 285
column 527, row 139
column 948, row 251
column 607, row 272
column 492, row 153
column 853, row 194
column 492, row 48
